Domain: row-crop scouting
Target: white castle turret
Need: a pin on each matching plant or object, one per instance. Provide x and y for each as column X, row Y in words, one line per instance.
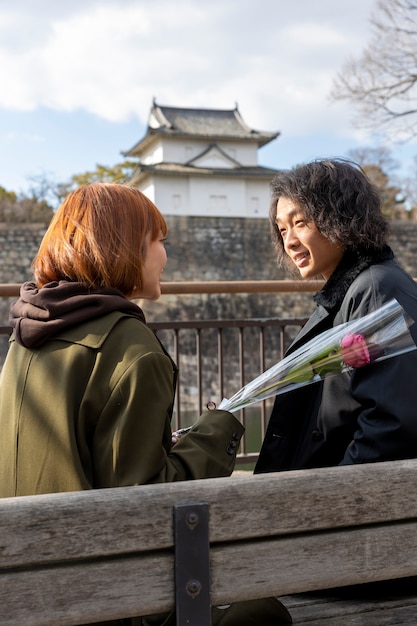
column 202, row 162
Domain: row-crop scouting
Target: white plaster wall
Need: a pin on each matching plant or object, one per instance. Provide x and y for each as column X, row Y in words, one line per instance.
column 172, row 195
column 258, row 197
column 149, row 190
column 217, row 197
column 156, row 155
column 170, row 150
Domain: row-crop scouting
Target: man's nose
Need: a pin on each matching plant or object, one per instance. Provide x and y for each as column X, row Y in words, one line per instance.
column 291, row 239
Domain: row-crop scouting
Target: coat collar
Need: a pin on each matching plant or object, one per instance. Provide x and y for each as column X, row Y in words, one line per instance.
column 330, row 297
column 352, row 264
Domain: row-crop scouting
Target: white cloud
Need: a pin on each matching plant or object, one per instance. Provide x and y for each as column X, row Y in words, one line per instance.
column 109, row 58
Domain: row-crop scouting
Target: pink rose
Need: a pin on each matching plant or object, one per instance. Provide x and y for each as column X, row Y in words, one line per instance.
column 354, row 350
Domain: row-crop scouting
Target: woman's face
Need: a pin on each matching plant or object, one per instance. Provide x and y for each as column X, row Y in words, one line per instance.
column 153, row 266
column 311, row 252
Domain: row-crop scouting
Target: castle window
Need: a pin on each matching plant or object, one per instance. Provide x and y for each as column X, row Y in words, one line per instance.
column 217, row 202
column 254, row 204
column 176, row 200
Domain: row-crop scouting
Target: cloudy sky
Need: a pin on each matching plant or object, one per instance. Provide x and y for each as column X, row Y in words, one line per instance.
column 78, row 76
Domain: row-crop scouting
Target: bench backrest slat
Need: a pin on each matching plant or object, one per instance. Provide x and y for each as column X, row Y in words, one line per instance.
column 69, row 558
column 140, row 584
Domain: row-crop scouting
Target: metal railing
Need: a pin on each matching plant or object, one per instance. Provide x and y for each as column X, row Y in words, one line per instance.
column 223, row 380
column 220, row 356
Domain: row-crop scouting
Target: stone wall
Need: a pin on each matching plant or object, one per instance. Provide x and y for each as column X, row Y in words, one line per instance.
column 18, row 246
column 203, row 249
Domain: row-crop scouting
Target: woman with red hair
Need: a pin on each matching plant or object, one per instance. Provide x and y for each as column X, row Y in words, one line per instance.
column 87, row 389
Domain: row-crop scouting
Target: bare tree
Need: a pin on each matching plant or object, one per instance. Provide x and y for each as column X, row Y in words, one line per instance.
column 382, row 82
column 381, row 156
column 44, row 188
column 409, row 185
column 23, row 208
column 380, row 166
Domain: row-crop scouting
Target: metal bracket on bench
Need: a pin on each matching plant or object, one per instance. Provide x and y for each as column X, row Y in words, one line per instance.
column 192, row 564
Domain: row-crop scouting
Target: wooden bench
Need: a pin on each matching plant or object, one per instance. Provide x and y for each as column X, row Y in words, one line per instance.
column 81, row 557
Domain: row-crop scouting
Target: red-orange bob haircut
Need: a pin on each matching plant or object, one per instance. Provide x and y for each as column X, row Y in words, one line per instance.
column 99, row 237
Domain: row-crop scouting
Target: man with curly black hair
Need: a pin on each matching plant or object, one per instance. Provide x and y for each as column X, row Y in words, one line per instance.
column 327, row 223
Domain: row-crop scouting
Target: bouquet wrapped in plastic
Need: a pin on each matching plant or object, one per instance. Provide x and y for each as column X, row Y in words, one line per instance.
column 382, row 334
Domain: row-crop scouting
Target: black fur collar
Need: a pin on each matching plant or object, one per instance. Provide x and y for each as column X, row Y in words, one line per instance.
column 351, row 265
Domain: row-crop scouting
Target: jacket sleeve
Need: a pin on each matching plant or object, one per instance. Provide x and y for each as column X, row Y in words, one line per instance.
column 132, row 440
column 386, row 423
column 385, row 392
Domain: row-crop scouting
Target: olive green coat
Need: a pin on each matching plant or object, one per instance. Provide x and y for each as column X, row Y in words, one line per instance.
column 92, row 407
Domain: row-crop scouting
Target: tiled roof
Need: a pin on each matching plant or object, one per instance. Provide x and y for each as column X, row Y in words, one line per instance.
column 203, row 122
column 208, row 123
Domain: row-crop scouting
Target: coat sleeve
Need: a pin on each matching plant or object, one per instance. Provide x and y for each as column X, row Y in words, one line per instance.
column 385, row 392
column 386, row 423
column 132, row 440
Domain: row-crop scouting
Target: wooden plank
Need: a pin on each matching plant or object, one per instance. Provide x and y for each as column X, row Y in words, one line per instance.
column 308, row 562
column 85, row 560
column 48, row 528
column 376, row 604
column 87, row 591
column 335, row 612
column 71, row 594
